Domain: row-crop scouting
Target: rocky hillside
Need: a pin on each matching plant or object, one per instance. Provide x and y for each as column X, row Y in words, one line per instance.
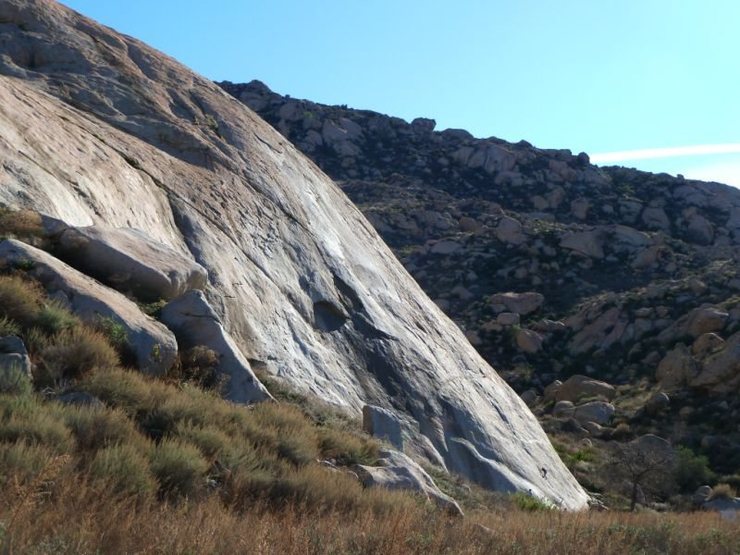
column 554, row 267
column 133, row 154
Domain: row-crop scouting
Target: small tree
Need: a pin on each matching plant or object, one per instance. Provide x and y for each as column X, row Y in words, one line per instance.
column 646, row 463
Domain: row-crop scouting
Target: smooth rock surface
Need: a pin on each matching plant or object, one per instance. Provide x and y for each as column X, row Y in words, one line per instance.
column 97, row 128
column 153, row 345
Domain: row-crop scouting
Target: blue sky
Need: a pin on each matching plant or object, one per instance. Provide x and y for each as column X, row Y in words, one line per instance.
column 600, row 76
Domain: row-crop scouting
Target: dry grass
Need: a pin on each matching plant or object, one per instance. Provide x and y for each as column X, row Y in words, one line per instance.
column 20, row 299
column 71, row 516
column 723, row 491
column 76, row 352
column 21, row 224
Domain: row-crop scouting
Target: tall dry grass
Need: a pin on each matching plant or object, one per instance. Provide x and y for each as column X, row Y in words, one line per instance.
column 73, row 516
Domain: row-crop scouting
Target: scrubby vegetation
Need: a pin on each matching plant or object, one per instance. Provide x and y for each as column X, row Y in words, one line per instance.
column 98, row 458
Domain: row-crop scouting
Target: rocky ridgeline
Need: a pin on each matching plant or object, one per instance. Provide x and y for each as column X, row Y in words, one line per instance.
column 553, row 266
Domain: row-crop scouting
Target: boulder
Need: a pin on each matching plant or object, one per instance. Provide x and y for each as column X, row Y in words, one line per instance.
column 706, row 343
column 79, row 398
column 445, row 247
column 628, row 239
column 676, row 368
column 725, row 505
column 595, row 411
column 579, row 208
column 600, row 334
column 382, row 424
column 549, row 326
column 700, row 229
column 423, row 125
column 153, row 345
column 705, row 320
column 549, row 393
column 14, row 360
column 510, row 231
column 593, row 428
column 13, row 355
column 563, row 409
column 529, row 341
column 519, row 303
column 701, row 494
column 655, row 218
column 470, row 225
column 654, row 445
column 577, row 387
column 195, row 323
column 586, row 243
column 508, row 319
column 720, row 372
column 657, row 403
column 397, row 471
column 530, row 397
column 129, row 260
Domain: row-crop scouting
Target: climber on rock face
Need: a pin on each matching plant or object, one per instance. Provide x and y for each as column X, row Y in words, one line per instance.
column 543, row 471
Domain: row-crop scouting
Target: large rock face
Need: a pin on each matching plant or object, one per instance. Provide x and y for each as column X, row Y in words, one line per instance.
column 98, row 128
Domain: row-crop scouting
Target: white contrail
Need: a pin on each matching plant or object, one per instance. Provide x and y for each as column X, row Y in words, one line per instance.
column 670, row 152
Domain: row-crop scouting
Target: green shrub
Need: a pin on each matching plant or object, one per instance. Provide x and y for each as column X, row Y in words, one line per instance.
column 54, row 318
column 126, row 390
column 284, row 429
column 125, row 468
column 8, row 327
column 23, row 460
column 27, row 419
column 20, row 300
column 153, row 309
column 692, row 470
column 529, row 503
column 36, row 340
column 346, row 448
column 97, row 428
column 179, row 468
column 198, row 366
column 212, row 442
column 114, row 331
column 76, row 352
column 15, row 381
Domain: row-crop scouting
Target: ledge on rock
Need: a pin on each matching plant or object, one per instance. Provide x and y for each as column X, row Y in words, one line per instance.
column 128, row 260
